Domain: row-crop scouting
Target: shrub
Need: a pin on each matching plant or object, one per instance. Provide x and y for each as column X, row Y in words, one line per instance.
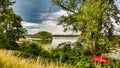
column 69, row 53
column 32, row 49
column 5, row 43
column 85, row 62
column 65, row 53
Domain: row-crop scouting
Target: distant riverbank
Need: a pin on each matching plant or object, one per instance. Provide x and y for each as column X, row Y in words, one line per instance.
column 54, row 42
column 65, row 35
column 58, row 35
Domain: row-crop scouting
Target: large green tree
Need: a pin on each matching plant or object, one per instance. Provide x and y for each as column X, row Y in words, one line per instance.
column 10, row 25
column 94, row 19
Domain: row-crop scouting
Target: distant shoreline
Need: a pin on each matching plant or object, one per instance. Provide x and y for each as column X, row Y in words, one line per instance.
column 60, row 35
column 65, row 35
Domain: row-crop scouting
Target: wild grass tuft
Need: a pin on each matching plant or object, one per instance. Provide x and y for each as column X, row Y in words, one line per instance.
column 8, row 60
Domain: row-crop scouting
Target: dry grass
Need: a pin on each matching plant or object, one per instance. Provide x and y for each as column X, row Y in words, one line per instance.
column 8, row 60
column 47, row 47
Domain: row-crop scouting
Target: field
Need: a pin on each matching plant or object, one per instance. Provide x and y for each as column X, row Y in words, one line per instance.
column 8, row 60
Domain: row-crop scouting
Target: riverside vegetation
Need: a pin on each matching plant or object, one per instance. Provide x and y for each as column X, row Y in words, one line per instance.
column 91, row 17
column 64, row 56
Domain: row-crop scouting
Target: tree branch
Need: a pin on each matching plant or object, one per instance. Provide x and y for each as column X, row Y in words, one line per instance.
column 67, row 8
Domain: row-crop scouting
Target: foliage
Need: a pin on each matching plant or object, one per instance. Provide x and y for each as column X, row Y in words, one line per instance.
column 66, row 53
column 70, row 54
column 8, row 60
column 116, row 40
column 10, row 23
column 32, row 50
column 85, row 62
column 93, row 19
column 3, row 41
column 63, row 53
column 43, row 35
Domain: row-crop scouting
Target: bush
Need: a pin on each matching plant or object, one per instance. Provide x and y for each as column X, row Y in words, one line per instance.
column 32, row 49
column 65, row 53
column 85, row 62
column 5, row 43
column 69, row 53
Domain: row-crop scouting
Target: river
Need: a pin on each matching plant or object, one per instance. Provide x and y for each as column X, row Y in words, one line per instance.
column 57, row 40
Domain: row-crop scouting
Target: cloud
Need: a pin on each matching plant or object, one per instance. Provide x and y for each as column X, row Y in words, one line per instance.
column 48, row 25
column 118, row 4
column 117, row 29
column 53, row 15
column 28, row 3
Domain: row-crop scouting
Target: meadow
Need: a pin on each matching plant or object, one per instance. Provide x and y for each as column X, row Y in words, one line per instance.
column 9, row 60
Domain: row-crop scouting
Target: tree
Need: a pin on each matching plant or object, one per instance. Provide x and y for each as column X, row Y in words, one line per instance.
column 43, row 35
column 10, row 24
column 93, row 18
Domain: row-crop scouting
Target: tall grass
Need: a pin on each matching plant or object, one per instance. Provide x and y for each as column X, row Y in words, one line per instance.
column 8, row 60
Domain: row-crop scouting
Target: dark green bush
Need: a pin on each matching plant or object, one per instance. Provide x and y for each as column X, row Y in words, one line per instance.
column 65, row 53
column 5, row 43
column 32, row 49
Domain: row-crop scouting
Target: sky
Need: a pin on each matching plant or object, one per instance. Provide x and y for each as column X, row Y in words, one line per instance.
column 40, row 15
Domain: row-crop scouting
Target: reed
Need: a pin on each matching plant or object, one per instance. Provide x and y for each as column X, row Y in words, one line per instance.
column 8, row 60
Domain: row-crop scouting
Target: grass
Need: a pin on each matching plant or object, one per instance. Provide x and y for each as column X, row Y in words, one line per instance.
column 8, row 60
column 54, row 59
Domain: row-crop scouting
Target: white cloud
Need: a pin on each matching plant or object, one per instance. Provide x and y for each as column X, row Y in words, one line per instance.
column 117, row 29
column 25, row 24
column 53, row 15
column 60, row 13
column 50, row 24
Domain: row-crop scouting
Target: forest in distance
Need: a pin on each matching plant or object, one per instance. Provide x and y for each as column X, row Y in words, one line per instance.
column 70, row 35
column 57, row 35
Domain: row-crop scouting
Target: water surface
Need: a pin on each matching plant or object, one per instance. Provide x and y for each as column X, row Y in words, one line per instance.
column 57, row 40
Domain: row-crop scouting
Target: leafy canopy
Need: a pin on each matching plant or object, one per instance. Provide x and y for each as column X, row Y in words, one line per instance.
column 10, row 23
column 93, row 18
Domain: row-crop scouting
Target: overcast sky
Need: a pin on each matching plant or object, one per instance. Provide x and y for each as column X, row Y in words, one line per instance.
column 40, row 15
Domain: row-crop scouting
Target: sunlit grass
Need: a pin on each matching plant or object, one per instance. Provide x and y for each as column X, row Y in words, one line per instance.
column 8, row 60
